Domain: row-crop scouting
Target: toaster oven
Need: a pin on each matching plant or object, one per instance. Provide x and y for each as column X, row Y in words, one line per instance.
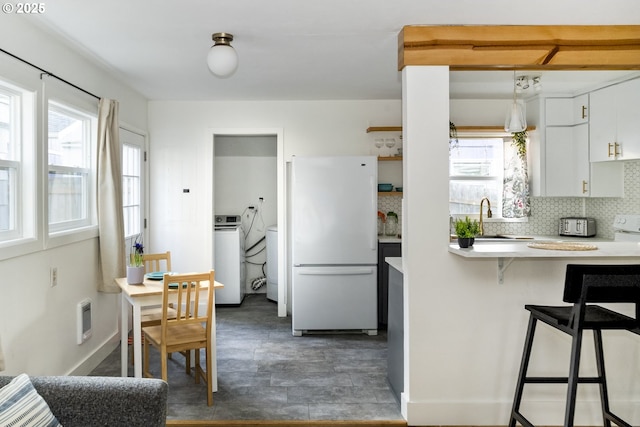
column 577, row 226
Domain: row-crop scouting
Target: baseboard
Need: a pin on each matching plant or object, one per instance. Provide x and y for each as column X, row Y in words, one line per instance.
column 94, row 359
column 283, row 423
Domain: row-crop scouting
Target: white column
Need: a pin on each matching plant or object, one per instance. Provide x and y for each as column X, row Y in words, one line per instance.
column 425, row 234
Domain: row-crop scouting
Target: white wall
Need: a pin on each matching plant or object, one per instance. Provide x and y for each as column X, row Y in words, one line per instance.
column 37, row 322
column 309, row 128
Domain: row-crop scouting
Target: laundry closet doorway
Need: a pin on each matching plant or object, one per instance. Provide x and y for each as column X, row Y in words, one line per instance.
column 246, row 182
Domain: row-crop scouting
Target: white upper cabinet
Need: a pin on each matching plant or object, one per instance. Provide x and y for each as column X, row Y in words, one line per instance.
column 581, row 109
column 614, row 122
column 564, row 164
column 567, row 111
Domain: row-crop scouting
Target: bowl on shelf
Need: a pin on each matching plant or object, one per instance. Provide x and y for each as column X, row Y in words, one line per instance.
column 399, row 189
column 385, row 187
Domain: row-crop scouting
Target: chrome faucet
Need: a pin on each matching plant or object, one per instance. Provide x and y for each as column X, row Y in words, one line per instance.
column 489, row 214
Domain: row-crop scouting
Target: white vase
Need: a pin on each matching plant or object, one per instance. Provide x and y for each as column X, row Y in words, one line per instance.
column 135, row 275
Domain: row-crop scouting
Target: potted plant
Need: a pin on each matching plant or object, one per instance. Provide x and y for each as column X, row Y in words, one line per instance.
column 466, row 230
column 135, row 269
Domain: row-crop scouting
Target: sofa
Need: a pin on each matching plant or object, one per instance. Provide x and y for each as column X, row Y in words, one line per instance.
column 103, row 401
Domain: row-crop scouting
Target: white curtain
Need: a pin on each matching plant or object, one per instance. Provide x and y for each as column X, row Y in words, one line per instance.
column 1, row 358
column 516, row 201
column 110, row 220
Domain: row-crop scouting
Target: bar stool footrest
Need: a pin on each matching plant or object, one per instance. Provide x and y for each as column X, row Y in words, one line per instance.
column 561, row 380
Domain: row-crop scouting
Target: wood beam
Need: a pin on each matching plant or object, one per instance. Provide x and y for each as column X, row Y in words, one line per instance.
column 513, row 47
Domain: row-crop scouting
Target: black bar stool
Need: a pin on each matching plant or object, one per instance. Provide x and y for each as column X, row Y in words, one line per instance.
column 583, row 284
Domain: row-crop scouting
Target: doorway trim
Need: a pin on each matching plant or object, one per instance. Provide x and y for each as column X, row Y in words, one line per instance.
column 281, row 199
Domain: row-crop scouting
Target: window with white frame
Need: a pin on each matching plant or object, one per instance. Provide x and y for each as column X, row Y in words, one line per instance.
column 476, row 170
column 16, row 162
column 71, row 175
column 131, row 189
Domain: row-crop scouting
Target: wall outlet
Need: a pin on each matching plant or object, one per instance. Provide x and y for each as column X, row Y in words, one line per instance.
column 53, row 276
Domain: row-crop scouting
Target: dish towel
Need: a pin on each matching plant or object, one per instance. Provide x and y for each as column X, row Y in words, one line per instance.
column 1, row 357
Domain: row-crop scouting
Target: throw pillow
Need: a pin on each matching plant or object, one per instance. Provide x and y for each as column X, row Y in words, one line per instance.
column 22, row 406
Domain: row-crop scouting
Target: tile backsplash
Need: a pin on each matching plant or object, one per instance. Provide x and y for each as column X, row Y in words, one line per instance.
column 393, row 204
column 546, row 211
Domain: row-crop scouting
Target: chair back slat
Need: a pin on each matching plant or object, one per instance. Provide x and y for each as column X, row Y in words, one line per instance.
column 187, row 291
column 588, row 283
column 157, row 262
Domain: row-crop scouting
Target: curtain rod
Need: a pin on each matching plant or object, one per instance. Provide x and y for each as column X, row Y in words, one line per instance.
column 50, row 74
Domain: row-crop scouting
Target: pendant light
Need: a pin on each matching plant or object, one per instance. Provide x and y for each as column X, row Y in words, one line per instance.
column 516, row 120
column 222, row 58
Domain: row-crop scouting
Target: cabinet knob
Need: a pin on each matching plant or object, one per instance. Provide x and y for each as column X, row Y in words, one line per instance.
column 584, row 187
column 609, row 153
column 584, row 111
column 616, row 152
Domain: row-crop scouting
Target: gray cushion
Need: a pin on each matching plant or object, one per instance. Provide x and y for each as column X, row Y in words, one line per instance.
column 104, row 401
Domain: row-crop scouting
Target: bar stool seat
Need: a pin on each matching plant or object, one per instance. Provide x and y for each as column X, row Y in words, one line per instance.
column 584, row 285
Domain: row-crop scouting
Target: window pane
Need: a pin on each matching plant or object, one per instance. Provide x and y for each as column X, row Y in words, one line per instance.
column 476, row 157
column 69, row 159
column 7, row 145
column 476, row 169
column 67, row 140
column 465, row 195
column 10, row 161
column 131, row 194
column 7, row 205
column 67, row 200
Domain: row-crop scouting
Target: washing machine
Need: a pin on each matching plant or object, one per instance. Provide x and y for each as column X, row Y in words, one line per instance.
column 229, row 260
column 272, row 263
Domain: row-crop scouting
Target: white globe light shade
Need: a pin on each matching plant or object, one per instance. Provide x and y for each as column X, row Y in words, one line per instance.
column 222, row 60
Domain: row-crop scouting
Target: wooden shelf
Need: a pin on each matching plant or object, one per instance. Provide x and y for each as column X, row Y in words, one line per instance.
column 460, row 128
column 389, row 158
column 389, row 193
column 384, row 129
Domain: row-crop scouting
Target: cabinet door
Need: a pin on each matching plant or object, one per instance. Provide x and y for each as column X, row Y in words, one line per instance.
column 603, row 124
column 567, row 161
column 581, row 109
column 628, row 129
column 558, row 161
column 615, row 122
column 558, row 112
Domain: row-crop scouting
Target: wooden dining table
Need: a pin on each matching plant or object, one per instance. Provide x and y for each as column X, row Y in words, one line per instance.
column 149, row 293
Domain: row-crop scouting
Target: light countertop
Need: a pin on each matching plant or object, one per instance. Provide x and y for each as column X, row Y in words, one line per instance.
column 520, row 249
column 389, row 239
column 395, row 262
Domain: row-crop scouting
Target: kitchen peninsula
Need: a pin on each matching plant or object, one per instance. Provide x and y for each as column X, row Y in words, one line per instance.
column 507, row 252
column 522, row 249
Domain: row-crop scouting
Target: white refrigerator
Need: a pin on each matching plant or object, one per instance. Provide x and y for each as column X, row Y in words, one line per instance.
column 334, row 244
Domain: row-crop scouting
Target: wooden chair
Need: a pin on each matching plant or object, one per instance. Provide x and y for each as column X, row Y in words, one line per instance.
column 189, row 330
column 150, row 316
column 584, row 285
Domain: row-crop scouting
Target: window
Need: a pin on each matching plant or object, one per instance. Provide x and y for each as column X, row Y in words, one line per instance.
column 71, row 142
column 16, row 163
column 475, row 171
column 131, row 182
column 133, row 194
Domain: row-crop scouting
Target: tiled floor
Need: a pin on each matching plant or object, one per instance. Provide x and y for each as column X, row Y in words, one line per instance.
column 266, row 373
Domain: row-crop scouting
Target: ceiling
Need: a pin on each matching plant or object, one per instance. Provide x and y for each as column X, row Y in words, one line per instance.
column 301, row 49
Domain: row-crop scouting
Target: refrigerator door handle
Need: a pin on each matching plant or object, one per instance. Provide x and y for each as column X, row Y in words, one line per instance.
column 336, row 271
column 374, row 217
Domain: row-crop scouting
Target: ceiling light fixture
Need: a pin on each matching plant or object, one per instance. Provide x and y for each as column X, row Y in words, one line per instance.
column 537, row 86
column 516, row 120
column 522, row 83
column 222, row 58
